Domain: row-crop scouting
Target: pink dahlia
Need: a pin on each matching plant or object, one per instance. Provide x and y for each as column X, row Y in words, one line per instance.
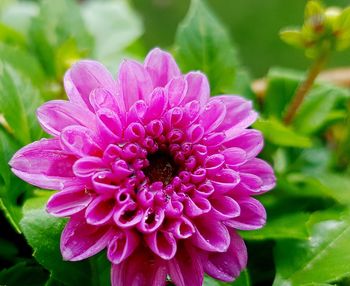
column 152, row 168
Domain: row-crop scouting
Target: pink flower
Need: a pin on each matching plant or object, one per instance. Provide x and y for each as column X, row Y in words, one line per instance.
column 151, row 168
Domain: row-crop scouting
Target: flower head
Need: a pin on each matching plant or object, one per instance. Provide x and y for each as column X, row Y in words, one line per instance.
column 151, row 168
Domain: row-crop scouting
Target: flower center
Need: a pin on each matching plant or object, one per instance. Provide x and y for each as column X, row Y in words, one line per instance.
column 162, row 168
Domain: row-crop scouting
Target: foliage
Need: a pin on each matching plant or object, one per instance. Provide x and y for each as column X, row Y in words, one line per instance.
column 305, row 240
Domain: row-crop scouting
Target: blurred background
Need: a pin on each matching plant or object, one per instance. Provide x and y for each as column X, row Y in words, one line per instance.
column 253, row 25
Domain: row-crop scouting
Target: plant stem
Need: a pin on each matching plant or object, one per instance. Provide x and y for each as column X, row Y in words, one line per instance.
column 304, row 88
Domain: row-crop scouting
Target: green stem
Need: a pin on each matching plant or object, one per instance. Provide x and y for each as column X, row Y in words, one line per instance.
column 304, row 88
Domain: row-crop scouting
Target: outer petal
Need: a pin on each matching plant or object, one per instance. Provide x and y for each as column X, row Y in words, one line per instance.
column 55, row 115
column 262, row 170
column 161, row 66
column 85, row 76
column 197, row 88
column 141, row 269
column 239, row 115
column 252, row 216
column 135, row 83
column 44, row 164
column 186, row 268
column 68, row 202
column 228, row 265
column 80, row 240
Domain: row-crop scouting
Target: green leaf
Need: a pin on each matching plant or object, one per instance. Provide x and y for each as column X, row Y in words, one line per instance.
column 43, row 232
column 18, row 102
column 202, row 43
column 114, row 26
column 10, row 36
column 23, row 273
column 281, row 227
column 321, row 259
column 57, row 22
column 281, row 135
column 317, row 106
column 23, row 62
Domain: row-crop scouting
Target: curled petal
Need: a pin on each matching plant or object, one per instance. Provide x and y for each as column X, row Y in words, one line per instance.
column 182, row 228
column 239, row 115
column 224, row 207
column 262, row 170
column 79, row 140
column 109, row 125
column 142, row 268
column 100, row 211
column 212, row 115
column 252, row 216
column 122, row 246
column 128, row 215
column 56, row 115
column 44, row 164
column 162, row 243
column 214, row 163
column 176, row 90
column 197, row 88
column 234, row 156
column 158, row 102
column 103, row 183
column 186, row 268
column 85, row 76
column 80, row 240
column 135, row 83
column 250, row 140
column 210, row 235
column 151, row 220
column 225, row 181
column 161, row 66
column 68, row 202
column 86, row 167
column 102, row 98
column 196, row 206
column 228, row 265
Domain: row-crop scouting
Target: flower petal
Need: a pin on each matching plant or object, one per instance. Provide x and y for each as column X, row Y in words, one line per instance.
column 100, row 211
column 252, row 216
column 68, row 202
column 80, row 240
column 85, row 76
column 161, row 66
column 186, row 268
column 55, row 115
column 44, row 164
column 212, row 115
column 122, row 246
column 162, row 243
column 228, row 265
column 197, row 88
column 142, row 268
column 135, row 83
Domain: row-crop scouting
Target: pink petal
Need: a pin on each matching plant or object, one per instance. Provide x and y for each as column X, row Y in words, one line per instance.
column 176, row 90
column 224, row 207
column 55, row 115
column 239, row 114
column 100, row 210
column 142, row 268
column 85, row 76
column 109, row 126
column 212, row 115
column 80, row 240
column 197, row 88
column 234, row 156
column 102, row 98
column 79, row 140
column 122, row 246
column 186, row 268
column 44, row 164
column 157, row 105
column 225, row 181
column 181, row 227
column 162, row 243
column 68, row 202
column 228, row 265
column 161, row 66
column 262, row 170
column 253, row 215
column 128, row 215
column 250, row 140
column 210, row 235
column 135, row 83
column 87, row 166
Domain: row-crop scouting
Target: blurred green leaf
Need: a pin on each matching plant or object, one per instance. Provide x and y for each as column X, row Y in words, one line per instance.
column 202, row 43
column 317, row 106
column 23, row 273
column 114, row 26
column 281, row 135
column 323, row 258
column 43, row 232
column 18, row 102
column 242, row 280
column 281, row 227
column 10, row 36
column 57, row 22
